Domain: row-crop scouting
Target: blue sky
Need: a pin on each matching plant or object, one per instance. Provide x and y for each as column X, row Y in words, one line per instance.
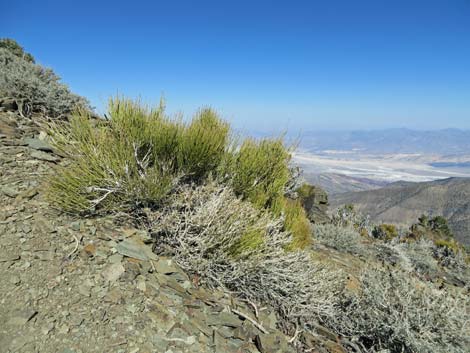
column 265, row 65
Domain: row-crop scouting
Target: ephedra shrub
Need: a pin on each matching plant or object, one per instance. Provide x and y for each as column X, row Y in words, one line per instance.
column 135, row 158
column 139, row 155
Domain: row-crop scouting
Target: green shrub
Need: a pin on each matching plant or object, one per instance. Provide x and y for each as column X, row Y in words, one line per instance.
column 305, row 191
column 248, row 242
column 203, row 144
column 35, row 88
column 149, row 129
column 107, row 171
column 260, row 172
column 439, row 224
column 423, row 220
column 450, row 244
column 436, row 224
column 295, row 221
column 136, row 156
column 385, row 232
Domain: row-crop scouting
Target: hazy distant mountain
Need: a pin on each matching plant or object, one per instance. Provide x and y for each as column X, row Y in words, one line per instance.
column 404, row 202
column 448, row 141
column 339, row 183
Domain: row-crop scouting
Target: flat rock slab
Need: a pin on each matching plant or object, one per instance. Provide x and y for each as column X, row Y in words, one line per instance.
column 8, row 191
column 39, row 145
column 44, row 156
column 166, row 266
column 9, row 257
column 20, row 318
column 113, row 272
column 134, row 249
column 224, row 319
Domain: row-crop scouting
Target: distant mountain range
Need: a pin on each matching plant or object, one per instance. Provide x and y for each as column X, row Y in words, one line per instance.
column 389, row 141
column 404, row 202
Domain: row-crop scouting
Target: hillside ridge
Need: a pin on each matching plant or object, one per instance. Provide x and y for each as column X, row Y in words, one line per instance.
column 404, row 202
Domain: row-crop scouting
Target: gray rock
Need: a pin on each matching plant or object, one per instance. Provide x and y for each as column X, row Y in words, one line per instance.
column 44, row 255
column 76, row 226
column 43, row 156
column 171, row 283
column 113, row 272
column 115, row 258
column 84, row 289
column 166, row 266
column 131, row 248
column 224, row 319
column 39, row 145
column 315, row 202
column 132, row 270
column 67, row 350
column 160, row 343
column 8, row 191
column 264, row 342
column 21, row 317
column 16, row 280
column 19, row 342
column 9, row 257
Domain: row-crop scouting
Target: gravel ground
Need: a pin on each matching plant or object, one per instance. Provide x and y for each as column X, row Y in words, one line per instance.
column 87, row 285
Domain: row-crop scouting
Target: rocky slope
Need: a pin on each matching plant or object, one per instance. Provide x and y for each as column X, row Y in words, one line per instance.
column 404, row 202
column 88, row 286
column 94, row 285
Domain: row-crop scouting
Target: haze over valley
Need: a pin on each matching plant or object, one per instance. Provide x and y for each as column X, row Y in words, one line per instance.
column 363, row 160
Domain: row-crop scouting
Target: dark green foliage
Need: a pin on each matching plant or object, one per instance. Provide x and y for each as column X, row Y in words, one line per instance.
column 203, row 144
column 259, row 171
column 423, row 220
column 385, row 231
column 439, row 224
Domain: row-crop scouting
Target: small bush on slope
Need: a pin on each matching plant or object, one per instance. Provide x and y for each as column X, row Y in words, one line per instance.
column 385, row 232
column 205, row 229
column 228, row 242
column 13, row 47
column 397, row 312
column 348, row 216
column 136, row 157
column 35, row 88
column 345, row 239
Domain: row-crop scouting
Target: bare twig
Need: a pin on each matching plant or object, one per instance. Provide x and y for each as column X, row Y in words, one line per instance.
column 253, row 321
column 296, row 334
column 255, row 308
column 76, row 246
column 100, row 199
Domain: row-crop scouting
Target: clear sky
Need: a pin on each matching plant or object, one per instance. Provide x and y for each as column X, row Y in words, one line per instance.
column 265, row 65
